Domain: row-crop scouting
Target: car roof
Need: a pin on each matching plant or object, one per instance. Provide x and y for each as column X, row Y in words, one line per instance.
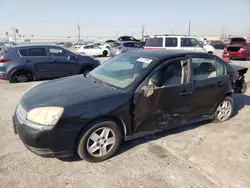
column 34, row 45
column 163, row 54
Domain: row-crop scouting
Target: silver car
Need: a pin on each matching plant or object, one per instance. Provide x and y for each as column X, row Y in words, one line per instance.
column 125, row 46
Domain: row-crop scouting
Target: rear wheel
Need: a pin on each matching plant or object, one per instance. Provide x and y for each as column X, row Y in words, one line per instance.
column 86, row 70
column 100, row 141
column 248, row 57
column 224, row 110
column 105, row 53
column 21, row 76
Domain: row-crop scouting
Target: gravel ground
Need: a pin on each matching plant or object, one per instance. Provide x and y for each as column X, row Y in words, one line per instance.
column 203, row 155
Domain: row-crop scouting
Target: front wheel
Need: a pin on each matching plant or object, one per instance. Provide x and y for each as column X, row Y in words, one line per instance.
column 100, row 141
column 224, row 110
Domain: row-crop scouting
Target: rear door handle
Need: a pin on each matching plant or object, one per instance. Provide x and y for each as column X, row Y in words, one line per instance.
column 56, row 61
column 185, row 93
column 220, row 84
column 28, row 61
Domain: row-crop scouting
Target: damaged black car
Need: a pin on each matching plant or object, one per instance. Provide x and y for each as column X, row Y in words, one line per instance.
column 131, row 95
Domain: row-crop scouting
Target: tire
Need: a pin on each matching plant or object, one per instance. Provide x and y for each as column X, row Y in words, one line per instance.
column 248, row 57
column 21, row 77
column 224, row 110
column 86, row 70
column 91, row 150
column 105, row 53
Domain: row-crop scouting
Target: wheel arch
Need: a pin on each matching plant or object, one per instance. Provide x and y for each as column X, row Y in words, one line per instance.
column 116, row 119
column 86, row 66
column 14, row 70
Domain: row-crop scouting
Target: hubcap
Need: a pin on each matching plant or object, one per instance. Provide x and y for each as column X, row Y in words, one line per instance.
column 101, row 142
column 22, row 78
column 224, row 110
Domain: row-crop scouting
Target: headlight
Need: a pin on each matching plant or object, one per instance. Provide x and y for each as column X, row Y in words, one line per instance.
column 45, row 115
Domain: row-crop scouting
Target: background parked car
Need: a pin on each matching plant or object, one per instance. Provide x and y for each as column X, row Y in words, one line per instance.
column 127, row 38
column 95, row 49
column 23, row 63
column 209, row 48
column 121, row 47
column 175, row 42
column 238, row 48
column 218, row 44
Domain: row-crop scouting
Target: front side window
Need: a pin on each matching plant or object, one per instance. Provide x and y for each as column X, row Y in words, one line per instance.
column 122, row 70
column 203, row 68
column 37, row 52
column 171, row 74
column 57, row 52
column 189, row 42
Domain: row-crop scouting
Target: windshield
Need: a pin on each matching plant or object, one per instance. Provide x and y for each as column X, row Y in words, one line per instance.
column 122, row 70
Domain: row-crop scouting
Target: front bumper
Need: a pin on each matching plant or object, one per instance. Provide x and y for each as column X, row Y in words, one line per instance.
column 46, row 143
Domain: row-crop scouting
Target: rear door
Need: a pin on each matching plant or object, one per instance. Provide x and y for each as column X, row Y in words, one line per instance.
column 210, row 84
column 37, row 58
column 191, row 44
column 64, row 64
column 171, row 43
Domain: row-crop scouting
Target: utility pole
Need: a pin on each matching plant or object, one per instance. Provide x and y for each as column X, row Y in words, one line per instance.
column 223, row 32
column 79, row 30
column 142, row 32
column 189, row 28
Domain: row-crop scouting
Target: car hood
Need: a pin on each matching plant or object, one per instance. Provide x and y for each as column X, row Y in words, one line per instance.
column 76, row 94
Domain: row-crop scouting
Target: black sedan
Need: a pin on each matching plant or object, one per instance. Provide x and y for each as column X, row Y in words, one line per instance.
column 131, row 95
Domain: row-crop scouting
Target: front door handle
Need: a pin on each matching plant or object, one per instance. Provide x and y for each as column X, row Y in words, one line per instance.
column 219, row 84
column 28, row 61
column 55, row 61
column 185, row 93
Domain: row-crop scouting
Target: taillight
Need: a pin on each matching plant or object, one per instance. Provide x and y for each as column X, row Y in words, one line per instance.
column 5, row 60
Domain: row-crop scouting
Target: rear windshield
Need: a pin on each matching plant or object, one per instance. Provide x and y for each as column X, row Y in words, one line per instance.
column 237, row 40
column 114, row 45
column 154, row 42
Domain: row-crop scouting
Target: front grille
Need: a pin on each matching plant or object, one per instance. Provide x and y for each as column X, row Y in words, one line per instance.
column 233, row 48
column 21, row 113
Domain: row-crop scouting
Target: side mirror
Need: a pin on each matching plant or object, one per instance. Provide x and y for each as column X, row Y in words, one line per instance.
column 148, row 90
column 72, row 56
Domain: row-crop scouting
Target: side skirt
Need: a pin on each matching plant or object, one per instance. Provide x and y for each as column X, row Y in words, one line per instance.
column 145, row 133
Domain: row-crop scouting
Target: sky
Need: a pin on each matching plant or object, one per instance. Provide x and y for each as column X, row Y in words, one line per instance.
column 114, row 17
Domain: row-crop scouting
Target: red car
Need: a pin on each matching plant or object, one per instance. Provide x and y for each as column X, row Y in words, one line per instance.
column 238, row 48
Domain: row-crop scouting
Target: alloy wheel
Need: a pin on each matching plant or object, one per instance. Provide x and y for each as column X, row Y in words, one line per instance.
column 224, row 110
column 101, row 142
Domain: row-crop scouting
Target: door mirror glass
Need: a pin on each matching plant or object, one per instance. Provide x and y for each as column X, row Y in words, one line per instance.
column 148, row 90
column 72, row 57
column 202, row 44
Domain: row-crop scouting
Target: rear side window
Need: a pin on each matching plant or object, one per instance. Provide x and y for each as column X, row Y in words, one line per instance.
column 37, row 52
column 114, row 45
column 24, row 52
column 136, row 45
column 171, row 42
column 128, row 44
column 154, row 42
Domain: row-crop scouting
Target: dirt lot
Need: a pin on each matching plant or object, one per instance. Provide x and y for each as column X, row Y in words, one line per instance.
column 205, row 155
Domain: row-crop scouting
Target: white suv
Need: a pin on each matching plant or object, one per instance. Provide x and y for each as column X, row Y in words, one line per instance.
column 176, row 42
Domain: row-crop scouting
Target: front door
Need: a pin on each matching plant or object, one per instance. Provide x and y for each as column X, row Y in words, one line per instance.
column 64, row 64
column 191, row 44
column 210, row 83
column 169, row 105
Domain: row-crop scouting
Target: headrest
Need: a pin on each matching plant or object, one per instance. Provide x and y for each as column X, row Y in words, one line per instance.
column 206, row 67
